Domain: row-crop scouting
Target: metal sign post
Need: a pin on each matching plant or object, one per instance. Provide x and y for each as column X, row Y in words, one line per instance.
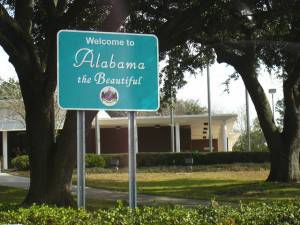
column 132, row 149
column 107, row 71
column 80, row 159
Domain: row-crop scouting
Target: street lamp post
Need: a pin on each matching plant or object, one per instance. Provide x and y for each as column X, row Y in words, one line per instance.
column 272, row 91
column 248, row 143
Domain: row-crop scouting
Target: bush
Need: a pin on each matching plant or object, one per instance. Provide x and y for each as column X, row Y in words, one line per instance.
column 93, row 160
column 254, row 213
column 199, row 158
column 20, row 162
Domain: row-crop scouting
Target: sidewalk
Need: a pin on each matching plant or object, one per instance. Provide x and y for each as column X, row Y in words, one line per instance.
column 101, row 194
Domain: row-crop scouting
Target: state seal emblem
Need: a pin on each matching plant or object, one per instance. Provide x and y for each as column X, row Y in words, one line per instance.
column 109, row 96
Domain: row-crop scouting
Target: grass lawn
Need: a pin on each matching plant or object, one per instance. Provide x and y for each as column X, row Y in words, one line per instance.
column 230, row 183
column 231, row 186
column 11, row 197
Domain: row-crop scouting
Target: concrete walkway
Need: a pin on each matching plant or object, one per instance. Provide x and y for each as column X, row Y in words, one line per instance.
column 101, row 194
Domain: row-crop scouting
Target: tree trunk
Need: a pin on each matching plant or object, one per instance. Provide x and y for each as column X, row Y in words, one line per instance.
column 40, row 139
column 52, row 164
column 291, row 130
column 284, row 147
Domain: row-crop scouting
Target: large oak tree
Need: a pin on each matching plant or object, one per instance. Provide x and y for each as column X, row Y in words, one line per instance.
column 28, row 31
column 244, row 34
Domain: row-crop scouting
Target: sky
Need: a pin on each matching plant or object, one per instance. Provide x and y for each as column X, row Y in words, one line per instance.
column 196, row 87
column 221, row 101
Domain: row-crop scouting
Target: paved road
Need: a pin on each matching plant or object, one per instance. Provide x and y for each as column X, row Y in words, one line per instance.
column 101, row 194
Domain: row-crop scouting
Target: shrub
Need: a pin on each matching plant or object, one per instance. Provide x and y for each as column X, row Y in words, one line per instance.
column 254, row 213
column 93, row 160
column 199, row 158
column 168, row 159
column 20, row 162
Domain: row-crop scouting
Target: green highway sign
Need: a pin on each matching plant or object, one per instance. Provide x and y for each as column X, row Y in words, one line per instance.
column 109, row 71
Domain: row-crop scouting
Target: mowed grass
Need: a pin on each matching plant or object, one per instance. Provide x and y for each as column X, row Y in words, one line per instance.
column 228, row 186
column 228, row 183
column 13, row 197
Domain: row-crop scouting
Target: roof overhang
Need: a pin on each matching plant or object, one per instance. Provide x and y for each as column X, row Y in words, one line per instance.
column 165, row 120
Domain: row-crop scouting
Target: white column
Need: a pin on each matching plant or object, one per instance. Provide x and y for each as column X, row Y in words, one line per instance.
column 4, row 150
column 97, row 135
column 209, row 111
column 224, row 137
column 172, row 129
column 177, row 126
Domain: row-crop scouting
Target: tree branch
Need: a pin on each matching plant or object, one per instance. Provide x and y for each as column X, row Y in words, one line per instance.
column 49, row 7
column 117, row 16
column 293, row 73
column 224, row 56
column 267, row 2
column 11, row 34
column 18, row 44
column 73, row 11
column 179, row 29
column 23, row 14
column 245, row 66
column 51, row 72
column 60, row 7
column 8, row 47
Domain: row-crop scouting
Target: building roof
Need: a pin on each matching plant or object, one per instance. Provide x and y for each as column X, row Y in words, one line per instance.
column 9, row 119
column 11, row 125
column 165, row 120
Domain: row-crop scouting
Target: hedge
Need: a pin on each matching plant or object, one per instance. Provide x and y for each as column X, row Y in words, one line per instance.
column 164, row 159
column 199, row 158
column 253, row 213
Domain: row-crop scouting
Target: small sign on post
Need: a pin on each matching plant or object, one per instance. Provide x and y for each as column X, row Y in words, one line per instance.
column 107, row 71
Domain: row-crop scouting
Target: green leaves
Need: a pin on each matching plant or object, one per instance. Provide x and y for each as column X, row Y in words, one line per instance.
column 93, row 160
column 20, row 162
column 254, row 213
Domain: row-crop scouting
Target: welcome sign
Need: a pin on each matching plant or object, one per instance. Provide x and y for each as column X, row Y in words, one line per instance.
column 109, row 71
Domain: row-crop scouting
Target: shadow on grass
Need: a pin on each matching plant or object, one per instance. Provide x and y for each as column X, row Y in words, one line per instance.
column 11, row 198
column 207, row 189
